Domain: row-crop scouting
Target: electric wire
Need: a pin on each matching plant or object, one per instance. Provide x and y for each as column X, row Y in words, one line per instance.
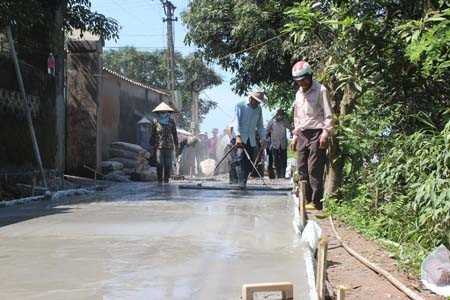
column 254, row 46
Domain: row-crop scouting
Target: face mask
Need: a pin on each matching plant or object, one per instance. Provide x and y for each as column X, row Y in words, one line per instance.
column 163, row 114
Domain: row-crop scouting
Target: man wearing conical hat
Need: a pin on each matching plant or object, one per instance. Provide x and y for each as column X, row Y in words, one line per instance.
column 248, row 118
column 164, row 140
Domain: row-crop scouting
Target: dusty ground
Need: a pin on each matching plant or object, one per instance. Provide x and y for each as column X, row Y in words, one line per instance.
column 363, row 283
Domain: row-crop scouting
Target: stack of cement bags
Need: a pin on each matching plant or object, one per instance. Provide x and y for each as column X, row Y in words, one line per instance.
column 113, row 170
column 134, row 159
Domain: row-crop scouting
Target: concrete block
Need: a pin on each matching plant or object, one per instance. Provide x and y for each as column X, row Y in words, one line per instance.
column 286, row 288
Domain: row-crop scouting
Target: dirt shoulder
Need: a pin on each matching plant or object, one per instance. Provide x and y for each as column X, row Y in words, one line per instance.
column 363, row 283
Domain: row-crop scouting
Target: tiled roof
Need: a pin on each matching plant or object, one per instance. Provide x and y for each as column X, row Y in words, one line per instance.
column 162, row 92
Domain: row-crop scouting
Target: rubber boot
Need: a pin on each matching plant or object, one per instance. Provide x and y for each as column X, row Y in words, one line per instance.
column 240, row 172
column 166, row 174
column 271, row 172
column 159, row 174
column 233, row 174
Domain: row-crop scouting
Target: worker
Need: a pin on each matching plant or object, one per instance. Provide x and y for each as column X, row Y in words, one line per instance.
column 164, row 140
column 212, row 143
column 313, row 125
column 143, row 134
column 276, row 129
column 231, row 159
column 248, row 117
column 186, row 158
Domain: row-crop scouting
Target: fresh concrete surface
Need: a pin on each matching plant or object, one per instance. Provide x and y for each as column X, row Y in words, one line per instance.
column 145, row 241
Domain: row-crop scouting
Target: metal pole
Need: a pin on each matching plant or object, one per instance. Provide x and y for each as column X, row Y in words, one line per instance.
column 25, row 99
column 254, row 167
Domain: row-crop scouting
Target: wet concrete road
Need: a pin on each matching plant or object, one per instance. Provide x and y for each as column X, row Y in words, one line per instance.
column 143, row 241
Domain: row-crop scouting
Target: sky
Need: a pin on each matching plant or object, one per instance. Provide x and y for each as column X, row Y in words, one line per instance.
column 143, row 28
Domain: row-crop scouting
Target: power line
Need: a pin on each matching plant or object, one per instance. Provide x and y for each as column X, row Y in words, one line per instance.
column 254, row 46
column 144, row 47
column 218, row 106
column 133, row 16
column 140, row 34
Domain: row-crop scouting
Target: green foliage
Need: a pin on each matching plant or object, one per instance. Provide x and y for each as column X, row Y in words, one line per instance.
column 31, row 15
column 79, row 16
column 404, row 196
column 151, row 68
column 429, row 43
column 243, row 37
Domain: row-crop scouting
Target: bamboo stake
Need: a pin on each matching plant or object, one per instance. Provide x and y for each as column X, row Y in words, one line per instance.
column 403, row 288
column 341, row 292
column 26, row 104
column 302, row 202
column 321, row 268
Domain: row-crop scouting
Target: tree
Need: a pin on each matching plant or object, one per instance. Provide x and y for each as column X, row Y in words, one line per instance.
column 38, row 26
column 151, row 68
column 243, row 37
column 354, row 47
column 363, row 51
column 28, row 15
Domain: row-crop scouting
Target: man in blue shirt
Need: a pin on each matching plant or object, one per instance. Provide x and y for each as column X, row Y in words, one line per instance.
column 248, row 118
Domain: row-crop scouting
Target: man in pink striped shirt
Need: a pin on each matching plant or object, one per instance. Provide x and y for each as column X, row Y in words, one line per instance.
column 313, row 122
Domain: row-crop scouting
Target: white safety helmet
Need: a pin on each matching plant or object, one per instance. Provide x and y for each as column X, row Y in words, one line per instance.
column 300, row 70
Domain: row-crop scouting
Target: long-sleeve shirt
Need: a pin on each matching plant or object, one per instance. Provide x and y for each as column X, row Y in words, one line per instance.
column 164, row 136
column 277, row 129
column 246, row 121
column 312, row 110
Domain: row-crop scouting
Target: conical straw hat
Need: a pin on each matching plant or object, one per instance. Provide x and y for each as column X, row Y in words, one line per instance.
column 144, row 121
column 163, row 107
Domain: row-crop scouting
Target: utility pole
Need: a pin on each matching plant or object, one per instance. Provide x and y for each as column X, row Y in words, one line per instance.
column 194, row 106
column 169, row 9
column 194, row 113
column 58, row 45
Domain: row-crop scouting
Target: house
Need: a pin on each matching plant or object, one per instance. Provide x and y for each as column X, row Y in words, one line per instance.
column 102, row 106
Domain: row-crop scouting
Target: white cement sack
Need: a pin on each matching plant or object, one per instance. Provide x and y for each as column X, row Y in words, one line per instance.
column 109, row 165
column 117, row 172
column 144, row 176
column 127, row 163
column 129, row 171
column 122, row 153
column 70, row 193
column 127, row 146
column 435, row 271
column 311, row 235
column 115, row 177
column 141, row 168
column 207, row 166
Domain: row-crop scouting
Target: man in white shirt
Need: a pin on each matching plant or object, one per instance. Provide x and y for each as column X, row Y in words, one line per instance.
column 313, row 121
column 276, row 130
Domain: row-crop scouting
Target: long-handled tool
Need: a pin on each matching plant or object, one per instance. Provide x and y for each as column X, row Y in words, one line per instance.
column 223, row 158
column 258, row 157
column 250, row 159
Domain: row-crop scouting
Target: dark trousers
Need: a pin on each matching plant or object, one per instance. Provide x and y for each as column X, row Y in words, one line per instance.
column 244, row 166
column 280, row 161
column 164, row 164
column 311, row 164
column 270, row 165
column 233, row 178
